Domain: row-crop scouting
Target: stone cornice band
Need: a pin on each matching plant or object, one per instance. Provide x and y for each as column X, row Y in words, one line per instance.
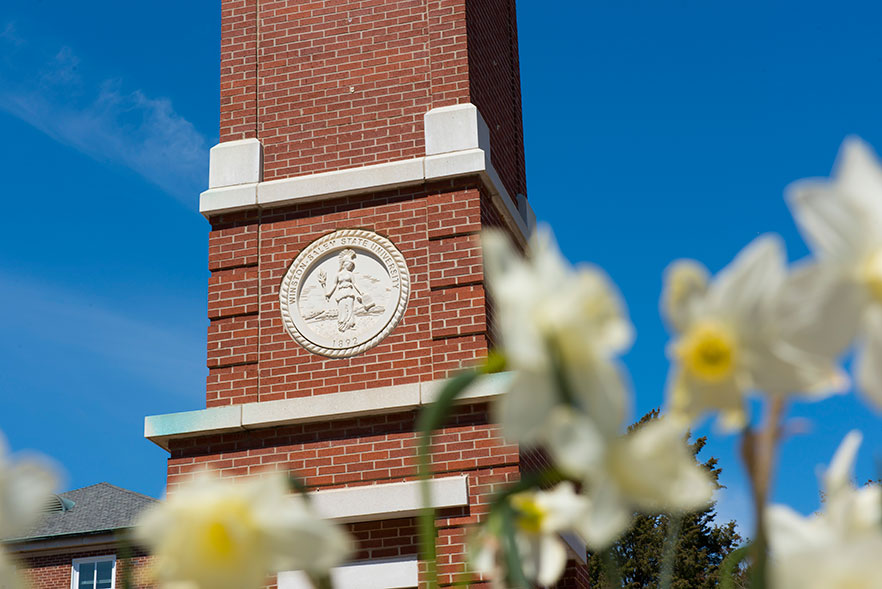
column 161, row 429
column 457, row 145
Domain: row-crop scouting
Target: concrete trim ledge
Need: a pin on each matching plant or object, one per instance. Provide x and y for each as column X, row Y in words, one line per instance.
column 400, row 573
column 340, row 183
column 388, row 500
column 457, row 145
column 161, row 429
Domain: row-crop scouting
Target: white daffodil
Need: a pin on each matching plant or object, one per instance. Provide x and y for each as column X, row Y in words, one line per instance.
column 732, row 336
column 25, row 488
column 215, row 534
column 561, row 330
column 837, row 547
column 839, row 296
column 651, row 470
column 539, row 519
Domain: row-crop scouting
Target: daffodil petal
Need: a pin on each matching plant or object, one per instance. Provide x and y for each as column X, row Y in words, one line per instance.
column 601, row 392
column 606, row 518
column 227, row 534
column 552, row 561
column 574, row 441
column 562, row 505
column 838, row 475
column 869, row 361
column 10, row 577
column 685, row 284
column 548, row 263
column 27, row 490
column 524, row 410
column 820, row 309
column 828, row 223
column 500, row 257
column 656, row 470
column 859, row 176
column 783, row 369
column 866, row 512
column 791, row 532
column 747, row 287
column 836, row 547
column 688, row 399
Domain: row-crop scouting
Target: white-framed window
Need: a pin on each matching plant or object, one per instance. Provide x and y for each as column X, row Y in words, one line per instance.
column 94, row 572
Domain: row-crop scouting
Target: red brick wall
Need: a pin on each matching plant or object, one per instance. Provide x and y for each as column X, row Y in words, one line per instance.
column 238, row 75
column 495, row 85
column 367, row 450
column 575, row 577
column 53, row 571
column 252, row 358
column 385, row 539
column 334, row 85
column 326, row 86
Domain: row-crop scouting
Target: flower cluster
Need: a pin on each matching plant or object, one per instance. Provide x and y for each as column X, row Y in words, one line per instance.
column 836, row 547
column 562, row 330
column 840, row 290
column 761, row 326
column 758, row 327
column 737, row 333
column 221, row 534
column 539, row 518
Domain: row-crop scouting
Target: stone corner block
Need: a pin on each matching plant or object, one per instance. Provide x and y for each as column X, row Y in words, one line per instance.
column 455, row 128
column 235, row 162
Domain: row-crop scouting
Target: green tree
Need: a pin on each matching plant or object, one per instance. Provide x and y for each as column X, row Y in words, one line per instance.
column 701, row 547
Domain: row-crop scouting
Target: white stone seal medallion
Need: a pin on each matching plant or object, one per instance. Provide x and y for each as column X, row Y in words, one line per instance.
column 344, row 293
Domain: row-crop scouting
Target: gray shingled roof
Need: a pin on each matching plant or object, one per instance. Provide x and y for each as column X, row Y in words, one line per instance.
column 98, row 508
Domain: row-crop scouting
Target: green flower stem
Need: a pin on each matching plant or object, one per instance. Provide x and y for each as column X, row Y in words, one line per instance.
column 669, row 552
column 612, row 576
column 430, row 419
column 758, row 450
column 730, row 565
column 516, row 578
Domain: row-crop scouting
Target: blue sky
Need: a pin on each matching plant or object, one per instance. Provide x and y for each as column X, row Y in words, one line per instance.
column 654, row 130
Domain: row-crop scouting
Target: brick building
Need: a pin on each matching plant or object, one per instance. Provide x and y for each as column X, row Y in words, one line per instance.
column 76, row 545
column 364, row 145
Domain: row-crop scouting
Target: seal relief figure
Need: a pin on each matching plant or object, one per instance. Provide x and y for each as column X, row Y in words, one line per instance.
column 344, row 292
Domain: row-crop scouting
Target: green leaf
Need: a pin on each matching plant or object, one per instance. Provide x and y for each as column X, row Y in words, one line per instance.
column 730, row 564
column 433, row 416
column 430, row 419
column 516, row 578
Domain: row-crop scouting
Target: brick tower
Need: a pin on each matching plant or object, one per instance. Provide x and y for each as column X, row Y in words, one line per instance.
column 364, row 145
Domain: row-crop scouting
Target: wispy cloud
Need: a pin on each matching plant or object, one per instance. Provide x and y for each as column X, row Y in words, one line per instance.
column 10, row 34
column 101, row 118
column 49, row 318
